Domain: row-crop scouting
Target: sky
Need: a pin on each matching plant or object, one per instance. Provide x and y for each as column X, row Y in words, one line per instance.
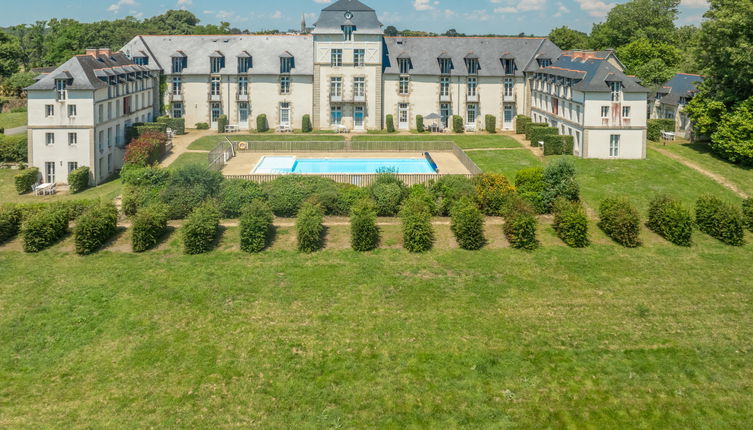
column 466, row 16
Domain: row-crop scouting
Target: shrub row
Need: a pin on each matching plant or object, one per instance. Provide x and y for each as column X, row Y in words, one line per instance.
column 71, row 208
column 310, row 228
column 42, row 229
column 149, row 226
column 418, row 233
column 521, row 121
column 720, row 220
column 555, row 144
column 78, row 180
column 10, row 222
column 537, row 134
column 147, row 149
column 364, row 233
column 669, row 219
column 571, row 223
column 202, row 126
column 26, row 179
column 654, row 127
column 200, row 229
column 531, row 126
column 468, row 225
column 257, row 229
column 620, row 221
column 95, row 227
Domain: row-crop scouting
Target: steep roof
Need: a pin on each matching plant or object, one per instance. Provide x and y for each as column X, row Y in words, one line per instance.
column 591, row 71
column 333, row 18
column 82, row 72
column 266, row 51
column 424, row 53
column 348, row 5
column 682, row 85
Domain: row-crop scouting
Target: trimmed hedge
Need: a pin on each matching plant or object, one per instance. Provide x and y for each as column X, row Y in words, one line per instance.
column 306, row 126
column 257, row 227
column 138, row 130
column 390, row 124
column 537, row 134
column 26, row 179
column 201, row 228
column 71, row 208
column 364, row 233
column 42, row 229
column 620, row 221
column 468, row 225
column 235, row 194
column 558, row 145
column 149, row 226
column 78, row 180
column 262, row 125
column 748, row 213
column 493, row 192
column 95, row 227
column 669, row 219
column 532, row 125
column 10, row 222
column 457, row 124
column 418, row 233
column 571, row 223
column 221, row 123
column 654, row 127
column 287, row 193
column 420, row 124
column 202, row 126
column 720, row 220
column 144, row 176
column 309, row 228
column 490, row 123
column 521, row 121
column 178, row 125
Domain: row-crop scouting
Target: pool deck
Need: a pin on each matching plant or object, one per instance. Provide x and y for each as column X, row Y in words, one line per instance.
column 245, row 162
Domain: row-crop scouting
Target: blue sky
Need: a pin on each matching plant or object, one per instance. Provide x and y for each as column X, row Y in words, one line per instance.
column 468, row 16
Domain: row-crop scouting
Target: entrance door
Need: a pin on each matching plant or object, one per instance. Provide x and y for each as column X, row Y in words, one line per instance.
column 402, row 116
column 445, row 112
column 49, row 172
column 509, row 115
column 216, row 112
column 358, row 116
column 285, row 114
column 243, row 115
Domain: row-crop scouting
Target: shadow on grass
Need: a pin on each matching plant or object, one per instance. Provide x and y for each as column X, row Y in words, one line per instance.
column 704, row 149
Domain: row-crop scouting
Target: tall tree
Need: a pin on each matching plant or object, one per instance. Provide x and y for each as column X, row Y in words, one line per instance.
column 650, row 19
column 567, row 38
column 653, row 62
column 10, row 52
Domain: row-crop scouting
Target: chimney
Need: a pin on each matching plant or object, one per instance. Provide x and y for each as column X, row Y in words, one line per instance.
column 105, row 51
column 92, row 52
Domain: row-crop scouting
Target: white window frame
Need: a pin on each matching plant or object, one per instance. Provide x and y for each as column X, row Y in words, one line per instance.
column 626, row 111
column 284, row 84
column 336, row 86
column 472, row 85
column 359, row 86
column 285, row 114
column 72, row 139
column 604, row 112
column 471, row 109
column 72, row 112
column 359, row 57
column 336, row 58
column 243, row 86
column 404, row 85
column 49, row 110
column 614, row 145
column 444, row 87
column 49, row 139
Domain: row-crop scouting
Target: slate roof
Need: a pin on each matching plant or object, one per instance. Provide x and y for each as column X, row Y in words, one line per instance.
column 265, row 50
column 591, row 71
column 681, row 85
column 332, row 18
column 425, row 51
column 82, row 72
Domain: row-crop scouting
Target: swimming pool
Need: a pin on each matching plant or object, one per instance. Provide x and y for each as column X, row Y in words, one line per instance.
column 286, row 165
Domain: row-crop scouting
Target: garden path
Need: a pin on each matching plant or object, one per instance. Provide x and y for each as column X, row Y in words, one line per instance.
column 716, row 177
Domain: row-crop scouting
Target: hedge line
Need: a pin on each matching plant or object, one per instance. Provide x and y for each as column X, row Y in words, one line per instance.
column 149, row 226
column 720, row 220
column 95, row 227
column 10, row 222
column 309, row 228
column 26, row 179
column 521, row 121
column 558, row 145
column 620, row 221
column 200, row 230
column 257, row 227
column 571, row 223
column 43, row 228
column 669, row 219
column 536, row 134
column 531, row 126
column 13, row 149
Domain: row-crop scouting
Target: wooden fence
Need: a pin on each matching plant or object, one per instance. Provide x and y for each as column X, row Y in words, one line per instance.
column 361, row 180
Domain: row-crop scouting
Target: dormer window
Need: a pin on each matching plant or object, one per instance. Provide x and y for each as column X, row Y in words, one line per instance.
column 445, row 65
column 544, row 62
column 405, row 65
column 616, row 90
column 180, row 62
column 348, row 32
column 216, row 62
column 287, row 63
column 244, row 63
column 472, row 64
column 509, row 66
column 60, row 89
column 141, row 61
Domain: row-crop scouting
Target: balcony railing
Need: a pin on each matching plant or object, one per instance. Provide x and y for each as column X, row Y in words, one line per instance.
column 472, row 98
column 509, row 98
column 215, row 97
column 445, row 98
column 336, row 98
column 243, row 97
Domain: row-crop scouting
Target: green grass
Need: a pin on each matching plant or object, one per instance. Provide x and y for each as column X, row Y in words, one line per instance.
column 190, row 158
column 463, row 141
column 700, row 154
column 559, row 338
column 506, row 162
column 12, row 119
column 207, row 143
column 107, row 191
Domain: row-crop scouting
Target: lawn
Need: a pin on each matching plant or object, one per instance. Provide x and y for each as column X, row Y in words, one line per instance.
column 463, row 141
column 700, row 154
column 207, row 143
column 190, row 158
column 108, row 191
column 12, row 119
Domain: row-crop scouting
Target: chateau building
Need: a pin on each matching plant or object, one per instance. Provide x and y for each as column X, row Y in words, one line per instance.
column 345, row 73
column 670, row 100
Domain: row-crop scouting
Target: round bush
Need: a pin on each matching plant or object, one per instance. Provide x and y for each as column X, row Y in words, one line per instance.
column 149, row 226
column 418, row 233
column 10, row 222
column 559, row 181
column 571, row 223
column 78, row 180
column 257, row 227
column 201, row 228
column 144, row 176
column 387, row 198
column 468, row 225
column 419, row 191
column 493, row 193
column 620, row 221
column 529, row 185
column 748, row 214
column 520, row 225
column 720, row 220
column 449, row 190
column 237, row 193
column 286, row 194
column 42, row 229
column 310, row 228
column 26, row 179
column 670, row 220
column 95, row 227
column 364, row 233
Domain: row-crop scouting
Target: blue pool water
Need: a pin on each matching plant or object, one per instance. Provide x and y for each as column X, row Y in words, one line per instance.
column 282, row 165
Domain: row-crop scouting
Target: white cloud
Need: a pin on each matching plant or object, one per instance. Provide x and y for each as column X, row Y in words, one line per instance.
column 389, row 17
column 561, row 10
column 115, row 7
column 477, row 15
column 323, row 1
column 697, row 4
column 424, row 4
column 277, row 15
column 183, row 4
column 515, row 6
column 228, row 16
column 596, row 8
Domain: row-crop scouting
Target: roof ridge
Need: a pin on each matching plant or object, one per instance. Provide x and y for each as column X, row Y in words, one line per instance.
column 467, row 37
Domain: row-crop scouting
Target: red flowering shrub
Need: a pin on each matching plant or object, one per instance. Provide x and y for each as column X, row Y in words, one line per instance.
column 147, row 149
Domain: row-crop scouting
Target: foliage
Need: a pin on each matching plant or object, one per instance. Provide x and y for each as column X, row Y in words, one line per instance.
column 669, row 219
column 78, row 180
column 520, row 229
column 705, row 112
column 387, row 198
column 720, row 220
column 654, row 62
column 530, row 127
column 287, row 193
column 306, row 126
column 390, row 124
column 449, row 190
column 620, row 221
column 201, row 228
column 421, row 191
column 136, row 197
column 537, row 134
column 149, row 225
column 733, row 138
column 348, row 195
column 420, row 124
column 177, row 125
column 571, row 223
column 72, row 209
column 235, row 194
column 568, row 39
column 187, row 187
column 457, row 124
column 656, row 126
column 13, row 149
column 636, row 19
column 364, row 233
column 147, row 149
column 95, row 227
column 16, row 83
column 26, row 179
column 558, row 145
column 262, row 125
column 559, row 181
column 309, row 228
column 202, row 126
column 521, row 122
column 493, row 191
column 490, row 123
column 748, row 213
column 144, row 176
column 467, row 225
column 418, row 233
column 10, row 222
column 221, row 123
column 257, row 226
column 10, row 52
column 41, row 229
column 530, row 185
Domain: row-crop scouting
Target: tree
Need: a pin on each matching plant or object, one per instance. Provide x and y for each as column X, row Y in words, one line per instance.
column 10, row 52
column 653, row 62
column 733, row 138
column 18, row 81
column 567, row 38
column 174, row 22
column 391, row 31
column 686, row 39
column 705, row 112
column 650, row 19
